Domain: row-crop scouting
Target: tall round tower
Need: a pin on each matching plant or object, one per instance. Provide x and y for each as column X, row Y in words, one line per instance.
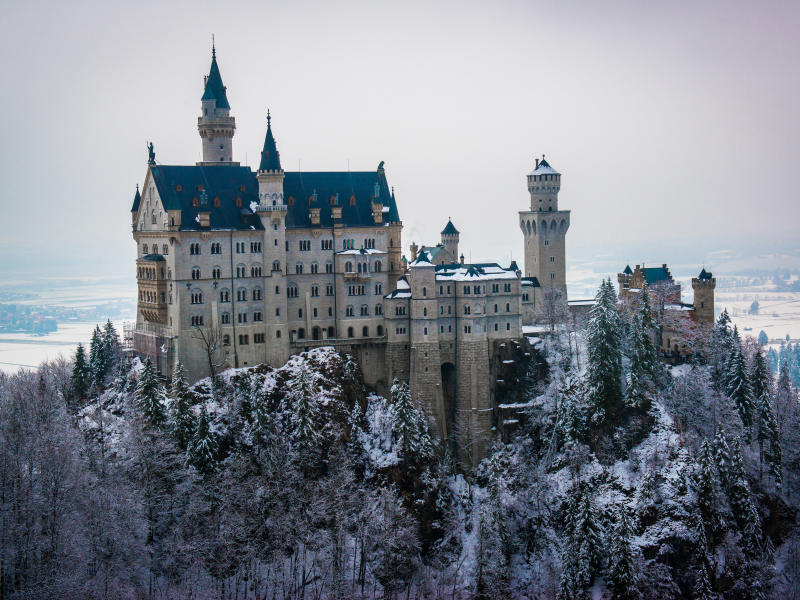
column 544, row 228
column 215, row 124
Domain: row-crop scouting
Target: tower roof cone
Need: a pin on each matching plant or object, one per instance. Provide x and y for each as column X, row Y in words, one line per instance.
column 214, row 88
column 270, row 158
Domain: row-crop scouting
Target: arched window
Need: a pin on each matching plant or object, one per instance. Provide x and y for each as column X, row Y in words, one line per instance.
column 195, row 272
column 508, row 326
column 424, row 331
column 424, row 291
column 225, row 318
column 424, row 312
column 226, row 339
column 301, row 334
column 350, row 332
column 315, row 290
column 331, row 332
column 224, row 296
column 257, row 294
column 365, row 331
column 278, row 334
column 378, row 266
column 348, row 266
column 154, row 216
column 164, row 249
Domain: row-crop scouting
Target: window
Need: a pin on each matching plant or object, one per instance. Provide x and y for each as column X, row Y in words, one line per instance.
column 298, row 269
column 424, row 312
column 424, row 331
column 224, row 296
column 495, row 326
column 258, row 338
column 238, row 202
column 552, row 275
column 466, row 310
column 369, row 243
column 255, row 271
column 508, row 307
column 329, row 289
column 225, row 318
column 277, row 312
column 292, row 292
column 348, row 267
column 348, row 244
column 244, row 339
column 315, row 313
column 144, row 248
column 507, row 287
column 495, row 288
column 466, row 289
column 241, row 295
column 299, row 313
column 508, row 326
column 195, row 201
column 476, row 290
column 552, row 259
column 255, row 247
column 196, row 273
column 257, row 294
column 380, row 330
column 278, row 334
column 314, row 268
column 275, row 227
column 379, row 309
column 424, row 291
column 330, row 311
column 305, row 245
column 441, row 329
column 467, row 329
column 441, row 310
column 350, row 332
column 326, row 245
column 216, row 273
column 495, row 308
column 276, row 265
column 216, row 248
column 331, row 332
column 258, row 316
column 241, row 271
column 349, row 312
column 547, row 242
column 399, row 310
column 164, row 249
column 365, row 331
column 198, row 321
column 242, row 317
column 315, row 290
column 277, row 289
column 329, row 267
column 448, row 309
column 226, row 340
column 216, row 202
column 365, row 311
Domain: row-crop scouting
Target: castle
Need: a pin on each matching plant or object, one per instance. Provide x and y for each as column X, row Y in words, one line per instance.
column 237, row 268
column 672, row 344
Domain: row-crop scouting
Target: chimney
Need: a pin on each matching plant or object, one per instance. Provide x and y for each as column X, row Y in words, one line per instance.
column 537, row 163
column 461, row 260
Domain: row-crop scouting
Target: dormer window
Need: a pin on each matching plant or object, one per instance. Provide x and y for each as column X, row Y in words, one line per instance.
column 238, row 202
column 195, row 201
column 216, row 202
column 178, row 188
column 199, row 188
column 291, row 201
column 241, row 189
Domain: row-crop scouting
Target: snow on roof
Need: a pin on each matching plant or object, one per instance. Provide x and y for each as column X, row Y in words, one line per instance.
column 679, row 307
column 362, row 251
column 486, row 271
column 543, row 169
column 581, row 302
column 402, row 284
column 422, row 261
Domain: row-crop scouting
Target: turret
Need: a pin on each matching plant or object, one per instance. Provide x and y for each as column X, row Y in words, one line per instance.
column 215, row 124
column 270, row 174
column 703, row 286
column 450, row 240
column 624, row 279
column 544, row 182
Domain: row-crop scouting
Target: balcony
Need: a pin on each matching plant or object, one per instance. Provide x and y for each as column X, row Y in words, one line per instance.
column 353, row 276
column 153, row 312
column 277, row 208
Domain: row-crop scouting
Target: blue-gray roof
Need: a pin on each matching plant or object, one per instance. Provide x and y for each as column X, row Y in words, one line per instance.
column 214, row 89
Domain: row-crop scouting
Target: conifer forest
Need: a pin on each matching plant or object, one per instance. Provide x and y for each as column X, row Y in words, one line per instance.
column 622, row 478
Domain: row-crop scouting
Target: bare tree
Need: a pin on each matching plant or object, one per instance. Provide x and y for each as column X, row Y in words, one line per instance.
column 552, row 309
column 212, row 340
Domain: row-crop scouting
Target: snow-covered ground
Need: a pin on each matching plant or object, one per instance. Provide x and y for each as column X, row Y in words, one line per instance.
column 778, row 314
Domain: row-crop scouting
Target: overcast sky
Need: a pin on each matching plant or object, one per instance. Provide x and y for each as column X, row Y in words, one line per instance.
column 675, row 124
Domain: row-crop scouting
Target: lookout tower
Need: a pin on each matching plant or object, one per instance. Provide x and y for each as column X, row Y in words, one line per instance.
column 215, row 124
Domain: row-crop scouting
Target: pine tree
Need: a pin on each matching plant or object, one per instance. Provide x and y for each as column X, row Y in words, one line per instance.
column 98, row 359
column 706, row 482
column 738, row 385
column 621, row 574
column 305, row 412
column 409, row 426
column 150, row 396
column 203, row 448
column 722, row 455
column 81, row 374
column 110, row 341
column 742, row 504
column 183, row 419
column 702, row 586
column 604, row 368
column 766, row 425
column 569, row 418
column 586, row 541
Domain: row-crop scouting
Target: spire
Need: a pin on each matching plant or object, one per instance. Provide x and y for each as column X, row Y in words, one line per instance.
column 270, row 158
column 215, row 90
column 450, row 229
column 136, row 200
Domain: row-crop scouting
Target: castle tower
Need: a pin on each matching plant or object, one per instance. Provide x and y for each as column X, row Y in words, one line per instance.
column 270, row 175
column 624, row 280
column 544, row 228
column 215, row 124
column 450, row 240
column 424, row 357
column 703, row 286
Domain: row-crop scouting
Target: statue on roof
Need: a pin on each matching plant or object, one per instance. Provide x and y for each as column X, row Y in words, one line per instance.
column 152, row 154
column 380, row 167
